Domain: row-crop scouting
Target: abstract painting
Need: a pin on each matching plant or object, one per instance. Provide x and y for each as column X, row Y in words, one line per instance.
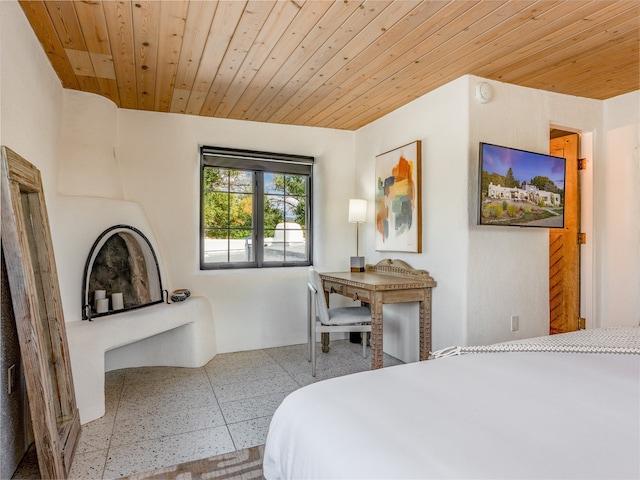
column 398, row 199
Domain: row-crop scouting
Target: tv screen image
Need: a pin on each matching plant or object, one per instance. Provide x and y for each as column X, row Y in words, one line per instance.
column 520, row 188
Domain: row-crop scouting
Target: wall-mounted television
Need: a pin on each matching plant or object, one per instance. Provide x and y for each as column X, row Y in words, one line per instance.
column 520, row 188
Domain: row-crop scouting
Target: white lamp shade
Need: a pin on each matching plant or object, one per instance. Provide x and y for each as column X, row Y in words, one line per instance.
column 357, row 210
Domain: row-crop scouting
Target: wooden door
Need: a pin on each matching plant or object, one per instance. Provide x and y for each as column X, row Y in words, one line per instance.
column 35, row 296
column 564, row 247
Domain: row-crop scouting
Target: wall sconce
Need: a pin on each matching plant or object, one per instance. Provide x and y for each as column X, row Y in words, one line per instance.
column 357, row 215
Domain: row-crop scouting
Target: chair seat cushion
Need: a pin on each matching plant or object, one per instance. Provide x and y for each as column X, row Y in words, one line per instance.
column 349, row 316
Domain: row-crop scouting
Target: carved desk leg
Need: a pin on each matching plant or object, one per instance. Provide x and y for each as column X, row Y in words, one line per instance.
column 425, row 325
column 324, row 337
column 325, row 342
column 376, row 332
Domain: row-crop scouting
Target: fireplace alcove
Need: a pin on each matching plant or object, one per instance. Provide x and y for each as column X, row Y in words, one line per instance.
column 179, row 334
column 121, row 261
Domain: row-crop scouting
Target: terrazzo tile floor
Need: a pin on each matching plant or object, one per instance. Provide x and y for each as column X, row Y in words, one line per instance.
column 161, row 416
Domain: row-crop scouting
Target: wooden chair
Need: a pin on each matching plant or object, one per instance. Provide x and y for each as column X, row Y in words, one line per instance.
column 322, row 319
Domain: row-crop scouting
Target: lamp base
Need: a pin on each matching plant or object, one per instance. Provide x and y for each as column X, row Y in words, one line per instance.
column 357, row 264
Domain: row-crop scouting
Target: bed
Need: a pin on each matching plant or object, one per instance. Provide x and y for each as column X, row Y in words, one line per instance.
column 559, row 407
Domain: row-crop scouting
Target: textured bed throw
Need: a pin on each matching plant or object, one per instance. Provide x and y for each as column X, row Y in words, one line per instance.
column 624, row 340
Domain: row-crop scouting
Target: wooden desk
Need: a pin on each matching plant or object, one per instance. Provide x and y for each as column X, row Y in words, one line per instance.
column 389, row 281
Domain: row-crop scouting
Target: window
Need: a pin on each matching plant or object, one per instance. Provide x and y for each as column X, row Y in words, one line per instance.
column 255, row 209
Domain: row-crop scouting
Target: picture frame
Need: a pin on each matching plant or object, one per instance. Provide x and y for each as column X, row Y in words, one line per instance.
column 520, row 188
column 27, row 249
column 398, row 199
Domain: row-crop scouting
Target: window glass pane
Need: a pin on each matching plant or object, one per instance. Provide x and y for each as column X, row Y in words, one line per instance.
column 216, row 179
column 230, row 234
column 221, row 248
column 296, row 192
column 240, row 210
column 285, row 216
column 295, row 243
column 286, row 194
column 273, row 210
column 297, row 210
column 228, row 216
column 240, row 181
column 216, row 210
column 241, row 247
column 216, row 246
column 296, row 185
column 287, row 242
column 274, row 243
column 270, row 183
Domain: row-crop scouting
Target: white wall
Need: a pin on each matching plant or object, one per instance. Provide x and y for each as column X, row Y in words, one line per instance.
column 617, row 208
column 84, row 146
column 30, row 109
column 88, row 165
column 485, row 275
column 31, row 97
column 156, row 158
column 159, row 157
column 440, row 120
column 508, row 268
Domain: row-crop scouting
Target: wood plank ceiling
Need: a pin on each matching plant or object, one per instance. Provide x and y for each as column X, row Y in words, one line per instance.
column 338, row 64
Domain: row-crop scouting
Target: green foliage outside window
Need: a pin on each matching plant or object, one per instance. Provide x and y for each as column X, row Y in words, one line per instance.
column 228, row 202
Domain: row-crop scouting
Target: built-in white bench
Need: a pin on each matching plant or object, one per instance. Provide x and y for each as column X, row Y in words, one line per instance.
column 178, row 334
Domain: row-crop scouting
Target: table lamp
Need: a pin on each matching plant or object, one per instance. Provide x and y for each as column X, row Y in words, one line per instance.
column 357, row 215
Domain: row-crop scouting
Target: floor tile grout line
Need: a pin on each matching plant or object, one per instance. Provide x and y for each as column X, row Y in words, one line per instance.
column 115, row 419
column 224, row 418
column 290, row 360
column 283, row 367
column 174, row 434
column 280, row 358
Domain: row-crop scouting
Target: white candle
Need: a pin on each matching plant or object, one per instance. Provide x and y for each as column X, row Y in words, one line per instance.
column 97, row 295
column 116, row 301
column 102, row 305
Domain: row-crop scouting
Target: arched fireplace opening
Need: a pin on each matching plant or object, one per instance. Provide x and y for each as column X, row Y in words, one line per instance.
column 121, row 274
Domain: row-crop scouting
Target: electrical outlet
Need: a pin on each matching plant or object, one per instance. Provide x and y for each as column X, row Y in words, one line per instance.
column 515, row 323
column 11, row 378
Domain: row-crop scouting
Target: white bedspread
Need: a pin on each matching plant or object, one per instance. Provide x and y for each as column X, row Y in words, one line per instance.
column 512, row 415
